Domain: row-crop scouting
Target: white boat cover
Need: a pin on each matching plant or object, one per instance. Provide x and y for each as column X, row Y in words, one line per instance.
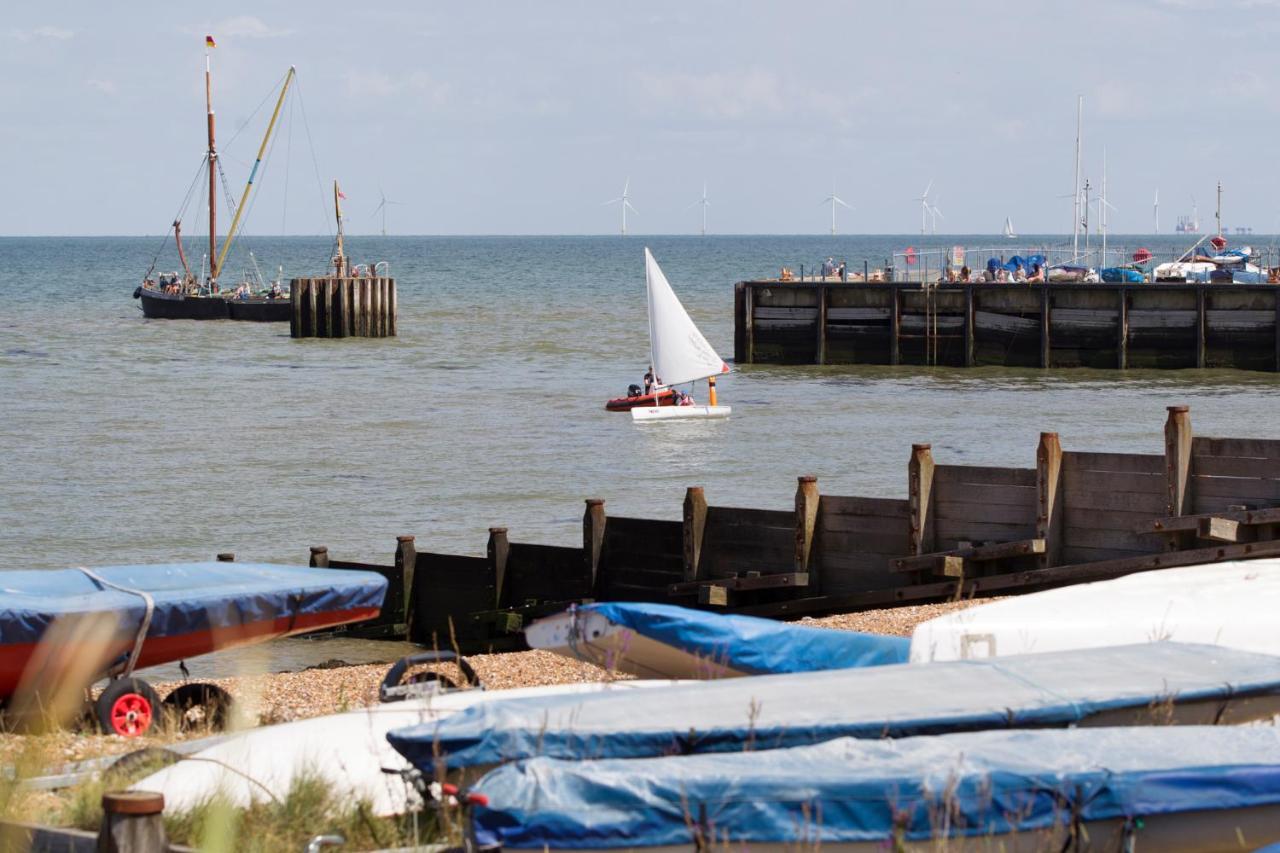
column 680, row 352
column 347, row 751
column 1229, row 604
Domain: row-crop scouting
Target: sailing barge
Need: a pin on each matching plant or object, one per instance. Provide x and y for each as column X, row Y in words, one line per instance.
column 191, row 296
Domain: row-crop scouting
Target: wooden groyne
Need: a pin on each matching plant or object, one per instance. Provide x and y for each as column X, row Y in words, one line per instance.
column 960, row 530
column 1160, row 325
column 343, row 307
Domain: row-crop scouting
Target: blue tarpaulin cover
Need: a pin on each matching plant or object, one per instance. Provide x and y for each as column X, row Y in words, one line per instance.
column 850, row 790
column 775, row 711
column 753, row 645
column 189, row 597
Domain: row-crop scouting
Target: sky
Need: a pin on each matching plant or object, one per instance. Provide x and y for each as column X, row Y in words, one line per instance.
column 523, row 118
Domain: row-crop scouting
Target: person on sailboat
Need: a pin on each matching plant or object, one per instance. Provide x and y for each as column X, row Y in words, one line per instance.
column 1037, row 273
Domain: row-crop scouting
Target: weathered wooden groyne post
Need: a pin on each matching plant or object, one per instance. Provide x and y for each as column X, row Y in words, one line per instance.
column 343, row 307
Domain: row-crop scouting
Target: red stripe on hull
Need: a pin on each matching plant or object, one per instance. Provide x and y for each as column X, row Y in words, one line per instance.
column 158, row 650
column 626, row 404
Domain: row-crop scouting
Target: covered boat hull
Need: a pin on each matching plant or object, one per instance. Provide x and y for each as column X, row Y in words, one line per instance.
column 1203, row 789
column 198, row 608
column 163, row 306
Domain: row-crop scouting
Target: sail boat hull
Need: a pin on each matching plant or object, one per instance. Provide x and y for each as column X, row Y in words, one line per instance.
column 165, row 306
column 649, row 414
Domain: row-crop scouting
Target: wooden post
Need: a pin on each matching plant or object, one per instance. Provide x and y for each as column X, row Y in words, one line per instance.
column 1277, row 295
column 1200, row 326
column 338, row 301
column 1046, row 351
column 375, row 310
column 349, row 306
column 748, row 317
column 807, row 498
column 920, row 499
column 1177, row 460
column 498, row 549
column 132, row 822
column 226, row 557
column 313, row 328
column 593, row 524
column 295, row 300
column 695, row 523
column 969, row 311
column 392, row 307
column 1122, row 330
column 739, row 323
column 319, row 557
column 406, row 563
column 822, row 325
column 331, row 328
column 895, row 325
column 1049, row 498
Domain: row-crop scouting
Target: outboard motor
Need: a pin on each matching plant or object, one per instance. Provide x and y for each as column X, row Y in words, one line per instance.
column 633, row 390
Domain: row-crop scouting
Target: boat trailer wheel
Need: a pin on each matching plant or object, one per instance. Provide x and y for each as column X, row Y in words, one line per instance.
column 196, row 705
column 127, row 707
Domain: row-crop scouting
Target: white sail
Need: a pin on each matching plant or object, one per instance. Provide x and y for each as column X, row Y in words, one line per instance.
column 1008, row 227
column 680, row 353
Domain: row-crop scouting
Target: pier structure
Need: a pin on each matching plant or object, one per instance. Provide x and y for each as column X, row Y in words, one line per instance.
column 959, row 531
column 343, row 307
column 1050, row 325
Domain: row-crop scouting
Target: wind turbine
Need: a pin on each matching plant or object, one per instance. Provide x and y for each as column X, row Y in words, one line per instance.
column 705, row 204
column 834, row 199
column 1155, row 209
column 382, row 208
column 934, row 215
column 624, row 201
column 926, row 209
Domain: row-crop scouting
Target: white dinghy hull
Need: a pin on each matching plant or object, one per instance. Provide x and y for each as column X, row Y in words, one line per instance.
column 649, row 414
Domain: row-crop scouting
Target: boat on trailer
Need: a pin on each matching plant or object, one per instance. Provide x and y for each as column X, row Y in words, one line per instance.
column 678, row 353
column 1182, row 789
column 1118, row 686
column 166, row 613
column 666, row 641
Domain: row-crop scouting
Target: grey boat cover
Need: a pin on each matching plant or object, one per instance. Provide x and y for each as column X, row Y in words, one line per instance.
column 852, row 790
column 794, row 709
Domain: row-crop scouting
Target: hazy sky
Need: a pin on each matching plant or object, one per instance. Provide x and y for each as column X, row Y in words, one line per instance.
column 521, row 118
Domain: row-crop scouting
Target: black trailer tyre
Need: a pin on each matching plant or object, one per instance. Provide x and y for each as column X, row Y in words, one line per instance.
column 199, row 705
column 127, row 707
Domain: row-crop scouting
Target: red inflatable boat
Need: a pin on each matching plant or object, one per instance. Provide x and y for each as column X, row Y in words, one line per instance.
column 666, row 397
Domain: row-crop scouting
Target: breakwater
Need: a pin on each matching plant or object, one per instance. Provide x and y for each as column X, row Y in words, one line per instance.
column 1053, row 325
column 958, row 531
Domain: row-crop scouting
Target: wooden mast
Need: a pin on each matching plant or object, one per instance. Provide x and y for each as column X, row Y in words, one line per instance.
column 213, row 177
column 182, row 256
column 262, row 151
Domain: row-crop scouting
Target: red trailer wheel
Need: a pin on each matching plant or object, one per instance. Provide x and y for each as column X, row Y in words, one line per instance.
column 127, row 707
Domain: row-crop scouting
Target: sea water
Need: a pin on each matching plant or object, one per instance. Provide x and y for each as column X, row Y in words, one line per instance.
column 134, row 440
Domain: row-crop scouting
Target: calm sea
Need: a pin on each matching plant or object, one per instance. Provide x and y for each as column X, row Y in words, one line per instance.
column 126, row 439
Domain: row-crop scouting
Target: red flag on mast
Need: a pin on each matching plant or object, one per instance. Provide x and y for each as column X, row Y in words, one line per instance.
column 209, row 42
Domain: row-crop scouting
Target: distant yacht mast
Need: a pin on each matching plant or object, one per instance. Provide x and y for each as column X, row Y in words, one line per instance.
column 1075, row 190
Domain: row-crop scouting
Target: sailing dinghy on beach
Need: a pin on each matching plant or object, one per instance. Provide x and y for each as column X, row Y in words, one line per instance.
column 677, row 351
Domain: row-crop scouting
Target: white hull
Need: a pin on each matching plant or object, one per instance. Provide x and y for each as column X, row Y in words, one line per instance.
column 665, row 413
column 1230, row 604
column 347, row 751
column 589, row 636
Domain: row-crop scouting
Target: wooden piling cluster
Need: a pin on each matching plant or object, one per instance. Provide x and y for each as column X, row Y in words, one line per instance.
column 346, row 307
column 962, row 530
column 1162, row 325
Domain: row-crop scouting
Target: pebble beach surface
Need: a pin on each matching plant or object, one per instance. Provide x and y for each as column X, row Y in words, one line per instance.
column 283, row 696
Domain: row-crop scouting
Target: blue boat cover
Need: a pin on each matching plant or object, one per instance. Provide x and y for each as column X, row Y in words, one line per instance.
column 189, row 597
column 750, row 644
column 851, row 790
column 1121, row 274
column 776, row 711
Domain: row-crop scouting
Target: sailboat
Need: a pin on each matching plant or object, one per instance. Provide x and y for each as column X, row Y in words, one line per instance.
column 1008, row 228
column 677, row 351
column 207, row 295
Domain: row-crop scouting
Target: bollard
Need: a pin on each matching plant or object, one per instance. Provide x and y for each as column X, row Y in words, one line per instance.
column 132, row 822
